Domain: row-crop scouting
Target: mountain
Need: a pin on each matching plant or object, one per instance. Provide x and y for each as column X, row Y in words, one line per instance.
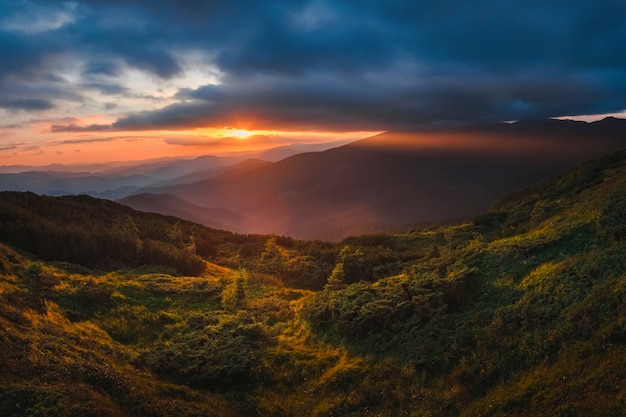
column 107, row 311
column 388, row 183
column 282, row 152
column 165, row 169
column 115, row 180
column 203, row 174
column 95, row 167
column 398, row 180
column 63, row 183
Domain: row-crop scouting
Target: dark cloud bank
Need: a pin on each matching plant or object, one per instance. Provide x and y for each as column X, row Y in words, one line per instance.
column 333, row 65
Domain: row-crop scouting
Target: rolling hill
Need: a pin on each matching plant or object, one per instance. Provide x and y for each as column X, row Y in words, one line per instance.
column 519, row 312
column 174, row 206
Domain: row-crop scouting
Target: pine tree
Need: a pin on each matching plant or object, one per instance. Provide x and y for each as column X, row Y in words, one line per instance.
column 337, row 279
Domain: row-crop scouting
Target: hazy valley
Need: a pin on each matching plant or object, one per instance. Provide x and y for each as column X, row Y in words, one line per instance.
column 388, row 183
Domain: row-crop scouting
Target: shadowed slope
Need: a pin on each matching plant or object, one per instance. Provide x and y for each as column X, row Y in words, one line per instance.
column 171, row 205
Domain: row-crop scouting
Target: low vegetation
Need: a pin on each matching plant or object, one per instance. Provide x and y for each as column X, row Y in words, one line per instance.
column 106, row 311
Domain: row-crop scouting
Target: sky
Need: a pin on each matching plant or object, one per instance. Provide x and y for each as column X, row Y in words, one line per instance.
column 109, row 80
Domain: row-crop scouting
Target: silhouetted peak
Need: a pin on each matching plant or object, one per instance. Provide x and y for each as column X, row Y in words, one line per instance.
column 609, row 119
column 610, row 126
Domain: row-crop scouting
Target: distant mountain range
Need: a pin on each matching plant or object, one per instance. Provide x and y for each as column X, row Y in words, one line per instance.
column 396, row 180
column 116, row 180
column 387, row 183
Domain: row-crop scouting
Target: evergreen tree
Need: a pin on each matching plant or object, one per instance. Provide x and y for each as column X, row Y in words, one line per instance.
column 337, row 279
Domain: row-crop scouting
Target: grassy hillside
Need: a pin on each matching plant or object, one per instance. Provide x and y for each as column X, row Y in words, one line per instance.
column 107, row 236
column 520, row 313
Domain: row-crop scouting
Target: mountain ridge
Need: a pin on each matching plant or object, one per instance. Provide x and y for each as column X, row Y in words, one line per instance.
column 170, row 205
column 437, row 175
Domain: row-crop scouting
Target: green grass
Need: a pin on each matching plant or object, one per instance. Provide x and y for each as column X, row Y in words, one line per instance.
column 520, row 313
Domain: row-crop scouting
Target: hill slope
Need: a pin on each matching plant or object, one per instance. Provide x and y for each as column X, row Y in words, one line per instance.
column 174, row 206
column 397, row 180
column 520, row 312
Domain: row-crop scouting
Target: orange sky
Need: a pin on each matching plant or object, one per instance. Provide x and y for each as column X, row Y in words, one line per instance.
column 37, row 143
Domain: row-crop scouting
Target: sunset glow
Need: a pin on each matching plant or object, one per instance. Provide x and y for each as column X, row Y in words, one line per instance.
column 87, row 81
column 43, row 142
column 241, row 134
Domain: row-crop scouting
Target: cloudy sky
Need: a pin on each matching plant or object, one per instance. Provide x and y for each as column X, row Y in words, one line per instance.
column 97, row 80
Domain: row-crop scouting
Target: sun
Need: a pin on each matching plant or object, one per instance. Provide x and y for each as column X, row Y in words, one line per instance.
column 240, row 133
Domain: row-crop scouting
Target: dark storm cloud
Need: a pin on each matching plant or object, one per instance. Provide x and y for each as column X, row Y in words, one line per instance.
column 74, row 128
column 102, row 68
column 379, row 102
column 106, row 88
column 345, row 65
column 25, row 104
column 23, row 57
column 86, row 140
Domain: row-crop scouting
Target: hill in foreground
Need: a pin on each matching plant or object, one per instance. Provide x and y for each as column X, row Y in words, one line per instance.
column 520, row 312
